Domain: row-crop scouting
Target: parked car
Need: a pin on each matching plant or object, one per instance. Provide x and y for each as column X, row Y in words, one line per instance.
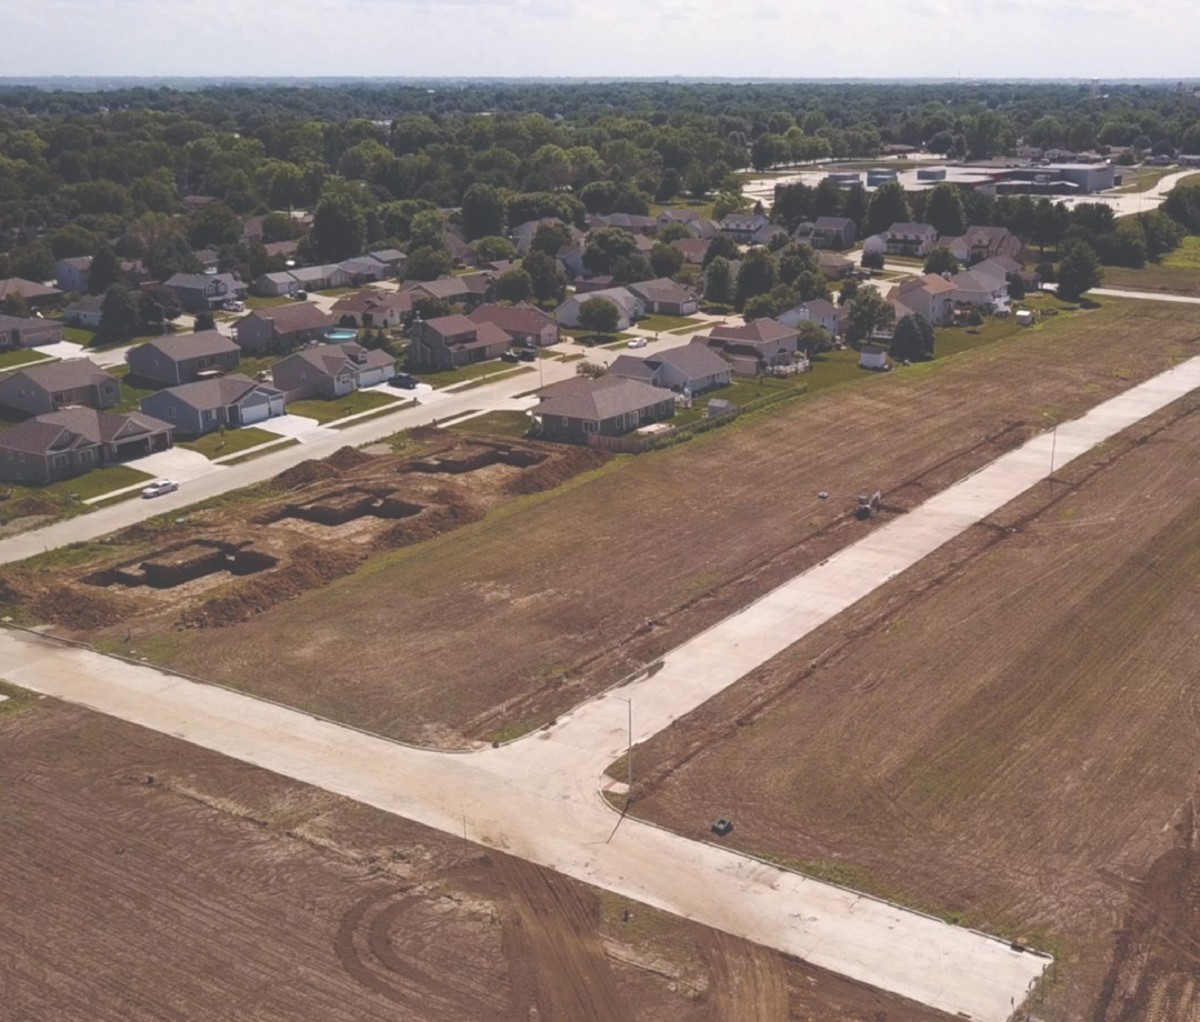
column 234, row 305
column 159, row 487
column 509, row 356
column 637, row 342
column 405, row 381
column 527, row 355
column 300, row 296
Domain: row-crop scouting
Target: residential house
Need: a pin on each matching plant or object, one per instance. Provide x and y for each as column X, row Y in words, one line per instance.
column 194, row 409
column 629, row 307
column 208, row 259
column 252, row 230
column 38, row 389
column 58, row 445
column 331, row 370
column 183, row 358
column 820, row 311
column 281, row 249
column 1008, row 268
column 755, row 347
column 203, row 292
column 449, row 342
column 72, row 274
column 36, row 295
column 694, row 249
column 836, row 232
column 980, row 288
column 915, row 240
column 741, row 227
column 372, row 308
column 767, row 232
column 589, row 285
column 571, row 258
column 929, row 295
column 980, row 243
column 320, row 278
column 281, row 327
column 28, row 331
column 195, row 203
column 460, row 252
column 392, row 259
column 834, row 267
column 573, row 410
column 523, row 234
column 467, row 290
column 665, row 297
column 85, row 312
column 363, row 269
column 693, row 368
column 523, row 323
column 635, row 223
column 135, row 272
column 274, row 285
column 676, row 216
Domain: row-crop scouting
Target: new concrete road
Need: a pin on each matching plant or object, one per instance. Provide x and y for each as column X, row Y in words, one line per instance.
column 537, row 798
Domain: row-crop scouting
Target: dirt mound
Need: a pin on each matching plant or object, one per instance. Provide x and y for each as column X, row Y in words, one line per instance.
column 76, row 609
column 556, row 470
column 346, row 458
column 431, row 522
column 26, row 507
column 311, row 566
column 304, row 474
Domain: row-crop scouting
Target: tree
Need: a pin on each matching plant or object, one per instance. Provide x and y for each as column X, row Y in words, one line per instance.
column 718, row 282
column 104, row 271
column 118, row 315
column 546, row 276
column 1016, row 287
column 673, row 232
column 14, row 304
column 338, row 228
column 213, row 224
column 872, row 260
column 514, row 286
column 779, row 299
column 484, row 211
column 722, row 246
column 1079, row 271
column 492, row 249
column 944, row 210
column 605, row 247
column 869, row 313
column 34, row 261
column 812, row 338
column 428, row 263
column 551, row 238
column 913, row 339
column 847, row 291
column 205, row 321
column 427, row 229
column 665, row 260
column 756, row 276
column 888, row 206
column 728, row 202
column 599, row 315
column 157, row 304
column 941, row 260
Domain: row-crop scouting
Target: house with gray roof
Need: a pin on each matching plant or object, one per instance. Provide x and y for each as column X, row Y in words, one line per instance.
column 820, row 311
column 363, row 269
column 28, row 332
column 629, row 307
column 36, row 390
column 182, row 358
column 694, row 368
column 525, row 324
column 85, row 312
column 835, row 232
column 72, row 274
column 35, row 295
column 741, row 227
column 755, row 347
column 281, row 328
column 665, row 297
column 373, row 308
column 612, row 405
column 449, row 342
column 58, row 445
column 194, row 409
column 331, row 370
column 203, row 292
column 392, row 258
column 910, row 239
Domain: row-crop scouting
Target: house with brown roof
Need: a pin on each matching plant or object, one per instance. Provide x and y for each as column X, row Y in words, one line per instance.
column 331, row 370
column 665, row 297
column 910, row 239
column 980, row 243
column 755, row 347
column 820, row 311
column 833, row 266
column 194, row 409
column 523, row 233
column 281, row 327
column 39, row 389
column 573, row 410
column 694, row 368
column 449, row 342
column 929, row 295
column 58, row 445
column 36, row 295
column 183, row 358
column 629, row 306
column 835, row 232
column 694, row 249
column 468, row 290
column 373, row 308
column 28, row 332
column 525, row 324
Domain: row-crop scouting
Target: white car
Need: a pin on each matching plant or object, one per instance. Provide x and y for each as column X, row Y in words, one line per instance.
column 637, row 342
column 159, row 487
column 234, row 305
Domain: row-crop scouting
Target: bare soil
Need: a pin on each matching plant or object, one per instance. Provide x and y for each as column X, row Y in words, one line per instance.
column 1008, row 734
column 512, row 618
column 144, row 879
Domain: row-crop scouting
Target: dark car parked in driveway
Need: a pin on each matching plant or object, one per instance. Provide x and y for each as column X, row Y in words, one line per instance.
column 405, row 381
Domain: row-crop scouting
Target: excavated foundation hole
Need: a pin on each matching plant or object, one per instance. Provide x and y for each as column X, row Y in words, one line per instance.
column 460, row 466
column 185, row 563
column 349, row 506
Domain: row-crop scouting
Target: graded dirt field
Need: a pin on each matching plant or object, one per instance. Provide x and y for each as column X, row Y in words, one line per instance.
column 500, row 625
column 142, row 878
column 1007, row 734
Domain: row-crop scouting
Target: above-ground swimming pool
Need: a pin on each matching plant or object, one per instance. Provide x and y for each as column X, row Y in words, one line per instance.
column 340, row 336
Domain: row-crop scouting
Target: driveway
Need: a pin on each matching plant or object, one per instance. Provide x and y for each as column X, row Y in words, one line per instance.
column 298, row 427
column 177, row 463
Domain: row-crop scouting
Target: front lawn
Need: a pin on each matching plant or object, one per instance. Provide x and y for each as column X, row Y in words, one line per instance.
column 703, row 208
column 97, row 482
column 265, row 301
column 340, row 407
column 514, row 424
column 131, row 392
column 217, row 445
column 59, row 500
column 79, row 335
column 665, row 324
column 21, row 357
column 474, row 371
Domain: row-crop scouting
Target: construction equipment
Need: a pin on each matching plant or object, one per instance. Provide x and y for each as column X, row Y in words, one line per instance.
column 868, row 506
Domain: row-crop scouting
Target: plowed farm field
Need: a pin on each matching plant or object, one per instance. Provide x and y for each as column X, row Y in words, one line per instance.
column 144, row 879
column 1008, row 734
column 536, row 600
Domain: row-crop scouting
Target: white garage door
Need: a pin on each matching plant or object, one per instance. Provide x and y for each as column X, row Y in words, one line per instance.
column 255, row 413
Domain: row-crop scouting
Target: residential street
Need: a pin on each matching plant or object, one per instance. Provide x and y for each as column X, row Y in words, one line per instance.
column 537, row 798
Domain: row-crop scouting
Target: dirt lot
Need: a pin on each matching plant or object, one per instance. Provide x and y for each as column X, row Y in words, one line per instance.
column 501, row 625
column 1006, row 735
column 141, row 878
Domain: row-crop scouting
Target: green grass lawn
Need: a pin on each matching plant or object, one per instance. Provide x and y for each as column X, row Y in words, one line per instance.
column 131, row 393
column 339, row 408
column 96, row 483
column 703, row 207
column 265, row 301
column 79, row 335
column 14, row 359
column 253, row 366
column 589, row 338
column 65, row 499
column 337, row 292
column 1142, row 179
column 217, row 445
column 665, row 324
column 514, row 424
column 1178, row 273
column 474, row 371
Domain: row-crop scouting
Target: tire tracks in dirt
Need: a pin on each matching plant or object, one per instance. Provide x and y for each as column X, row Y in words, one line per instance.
column 748, row 981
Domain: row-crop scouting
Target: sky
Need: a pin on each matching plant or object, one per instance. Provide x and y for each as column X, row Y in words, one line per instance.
column 1108, row 39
